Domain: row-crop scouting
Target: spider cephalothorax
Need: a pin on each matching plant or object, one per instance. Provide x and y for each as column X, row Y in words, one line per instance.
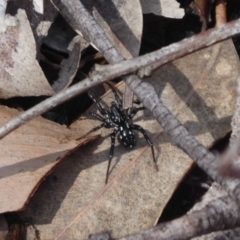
column 120, row 120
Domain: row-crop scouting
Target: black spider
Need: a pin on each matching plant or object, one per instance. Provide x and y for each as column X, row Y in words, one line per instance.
column 120, row 120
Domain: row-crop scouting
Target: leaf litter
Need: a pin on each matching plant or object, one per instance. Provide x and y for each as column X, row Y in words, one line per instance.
column 81, row 204
column 27, row 155
column 21, row 74
column 73, row 201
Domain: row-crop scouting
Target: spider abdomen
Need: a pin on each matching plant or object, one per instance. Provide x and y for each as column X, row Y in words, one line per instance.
column 127, row 137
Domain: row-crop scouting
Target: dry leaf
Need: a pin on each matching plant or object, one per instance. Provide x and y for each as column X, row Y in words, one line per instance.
column 27, row 155
column 166, row 8
column 38, row 6
column 62, row 38
column 69, row 66
column 122, row 22
column 21, row 74
column 209, row 82
column 40, row 23
column 27, row 78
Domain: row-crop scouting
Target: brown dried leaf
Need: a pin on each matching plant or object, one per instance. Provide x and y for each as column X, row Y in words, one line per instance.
column 38, row 6
column 40, row 23
column 31, row 80
column 166, row 8
column 206, row 87
column 21, row 74
column 27, row 155
column 69, row 66
column 122, row 21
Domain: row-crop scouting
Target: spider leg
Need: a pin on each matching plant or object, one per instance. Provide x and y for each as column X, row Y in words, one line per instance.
column 134, row 112
column 113, row 136
column 102, row 110
column 96, row 128
column 93, row 130
column 139, row 128
column 97, row 116
column 118, row 99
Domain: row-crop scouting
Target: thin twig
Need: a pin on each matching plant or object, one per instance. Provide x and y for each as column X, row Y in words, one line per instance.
column 221, row 12
column 87, row 26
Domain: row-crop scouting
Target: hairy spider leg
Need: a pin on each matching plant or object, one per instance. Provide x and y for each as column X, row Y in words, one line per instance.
column 106, row 121
column 96, row 128
column 119, row 101
column 100, row 118
column 101, row 109
column 97, row 116
column 93, row 130
column 113, row 136
column 134, row 112
column 139, row 128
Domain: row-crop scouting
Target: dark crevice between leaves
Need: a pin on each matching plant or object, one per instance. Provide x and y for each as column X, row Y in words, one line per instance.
column 18, row 226
column 192, row 188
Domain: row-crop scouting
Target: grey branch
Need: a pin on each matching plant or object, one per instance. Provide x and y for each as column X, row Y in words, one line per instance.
column 227, row 234
column 86, row 25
